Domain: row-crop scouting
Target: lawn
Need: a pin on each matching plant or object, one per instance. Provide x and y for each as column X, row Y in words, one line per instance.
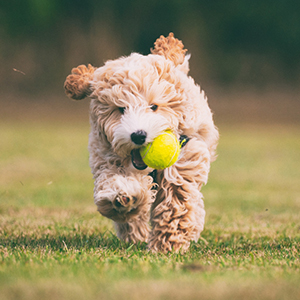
column 54, row 244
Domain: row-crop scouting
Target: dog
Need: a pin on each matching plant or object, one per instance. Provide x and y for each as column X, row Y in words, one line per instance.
column 133, row 100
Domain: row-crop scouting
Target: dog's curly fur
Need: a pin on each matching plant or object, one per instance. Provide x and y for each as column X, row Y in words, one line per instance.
column 148, row 94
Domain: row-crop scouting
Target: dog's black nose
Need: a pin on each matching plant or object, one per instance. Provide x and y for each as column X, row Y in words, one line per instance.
column 139, row 137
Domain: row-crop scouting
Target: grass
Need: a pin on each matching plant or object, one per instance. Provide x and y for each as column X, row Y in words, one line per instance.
column 54, row 245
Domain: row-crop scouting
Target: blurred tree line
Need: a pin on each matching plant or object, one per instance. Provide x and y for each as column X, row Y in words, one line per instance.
column 232, row 42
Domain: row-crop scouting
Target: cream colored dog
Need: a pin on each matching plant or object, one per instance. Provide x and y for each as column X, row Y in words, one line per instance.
column 134, row 99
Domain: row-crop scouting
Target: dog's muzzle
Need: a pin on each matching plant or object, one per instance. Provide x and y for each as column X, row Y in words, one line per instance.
column 139, row 137
column 137, row 160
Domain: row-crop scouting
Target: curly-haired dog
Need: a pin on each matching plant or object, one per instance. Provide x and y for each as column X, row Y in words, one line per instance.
column 134, row 99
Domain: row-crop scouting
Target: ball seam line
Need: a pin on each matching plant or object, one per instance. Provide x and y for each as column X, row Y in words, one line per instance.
column 147, row 151
column 175, row 140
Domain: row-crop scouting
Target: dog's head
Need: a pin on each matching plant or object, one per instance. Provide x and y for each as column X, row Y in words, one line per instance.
column 137, row 97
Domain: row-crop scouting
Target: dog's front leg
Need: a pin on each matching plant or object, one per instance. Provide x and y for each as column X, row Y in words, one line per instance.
column 126, row 200
column 177, row 216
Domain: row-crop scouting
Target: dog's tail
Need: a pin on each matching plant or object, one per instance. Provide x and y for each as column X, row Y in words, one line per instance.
column 78, row 83
column 171, row 48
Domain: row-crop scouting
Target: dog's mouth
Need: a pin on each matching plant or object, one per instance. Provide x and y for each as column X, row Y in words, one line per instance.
column 136, row 160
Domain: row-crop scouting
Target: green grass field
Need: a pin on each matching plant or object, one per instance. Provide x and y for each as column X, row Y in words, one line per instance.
column 54, row 244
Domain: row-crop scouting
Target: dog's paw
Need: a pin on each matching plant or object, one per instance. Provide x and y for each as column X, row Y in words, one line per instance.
column 124, row 203
column 124, row 198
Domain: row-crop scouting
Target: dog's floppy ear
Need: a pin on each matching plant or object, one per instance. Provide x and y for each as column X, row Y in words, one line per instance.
column 171, row 48
column 77, row 85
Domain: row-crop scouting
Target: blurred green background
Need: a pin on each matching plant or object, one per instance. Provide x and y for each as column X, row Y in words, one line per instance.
column 245, row 54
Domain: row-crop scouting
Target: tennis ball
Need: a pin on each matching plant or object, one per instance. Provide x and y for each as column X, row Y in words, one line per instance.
column 162, row 152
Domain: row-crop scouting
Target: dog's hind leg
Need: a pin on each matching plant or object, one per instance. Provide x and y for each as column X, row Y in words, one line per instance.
column 177, row 215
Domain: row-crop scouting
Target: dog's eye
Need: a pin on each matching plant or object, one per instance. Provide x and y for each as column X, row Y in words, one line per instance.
column 122, row 110
column 154, row 107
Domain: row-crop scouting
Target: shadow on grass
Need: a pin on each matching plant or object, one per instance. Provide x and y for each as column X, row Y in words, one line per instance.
column 73, row 241
column 236, row 244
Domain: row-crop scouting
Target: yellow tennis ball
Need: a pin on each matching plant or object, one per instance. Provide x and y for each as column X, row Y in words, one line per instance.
column 162, row 152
